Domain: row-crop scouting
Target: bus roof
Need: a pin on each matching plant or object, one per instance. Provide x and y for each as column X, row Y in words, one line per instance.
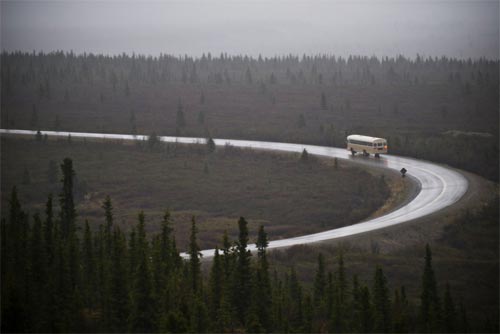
column 365, row 138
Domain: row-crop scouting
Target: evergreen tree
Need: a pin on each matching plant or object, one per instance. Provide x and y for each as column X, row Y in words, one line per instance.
column 166, row 245
column 262, row 294
column 216, row 285
column 210, row 145
column 399, row 312
column 180, row 120
column 88, row 269
column 194, row 259
column 48, row 230
column 430, row 309
column 304, row 157
column 119, row 297
column 355, row 318
column 38, row 277
column 366, row 311
column 66, row 201
column 319, row 281
column 108, row 214
column 142, row 310
column 381, row 303
column 242, row 273
column 340, row 301
column 295, row 311
column 449, row 312
column 248, row 76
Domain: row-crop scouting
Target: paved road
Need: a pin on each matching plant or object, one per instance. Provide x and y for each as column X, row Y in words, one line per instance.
column 439, row 188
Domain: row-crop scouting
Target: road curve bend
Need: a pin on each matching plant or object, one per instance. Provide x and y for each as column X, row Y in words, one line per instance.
column 440, row 187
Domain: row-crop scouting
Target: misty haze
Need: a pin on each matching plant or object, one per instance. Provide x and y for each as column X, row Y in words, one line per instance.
column 460, row 29
column 249, row 166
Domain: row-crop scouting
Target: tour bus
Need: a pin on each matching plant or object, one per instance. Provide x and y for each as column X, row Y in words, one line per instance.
column 366, row 145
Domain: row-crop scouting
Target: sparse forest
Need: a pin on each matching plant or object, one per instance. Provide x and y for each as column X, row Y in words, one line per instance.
column 444, row 110
column 57, row 280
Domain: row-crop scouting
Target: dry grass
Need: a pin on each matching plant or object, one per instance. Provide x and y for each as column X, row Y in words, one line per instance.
column 289, row 197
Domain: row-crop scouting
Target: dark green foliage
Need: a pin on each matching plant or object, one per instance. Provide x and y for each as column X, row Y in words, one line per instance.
column 194, row 259
column 180, row 119
column 142, row 303
column 66, row 200
column 430, row 306
column 319, row 281
column 381, row 303
column 210, row 145
column 449, row 312
column 242, row 273
column 55, row 283
column 153, row 140
column 119, row 287
column 304, row 157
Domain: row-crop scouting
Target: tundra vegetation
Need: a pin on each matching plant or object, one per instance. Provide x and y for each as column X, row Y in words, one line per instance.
column 440, row 109
column 55, row 279
column 66, row 266
column 290, row 196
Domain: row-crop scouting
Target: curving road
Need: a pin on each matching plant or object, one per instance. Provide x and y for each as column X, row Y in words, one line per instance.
column 440, row 187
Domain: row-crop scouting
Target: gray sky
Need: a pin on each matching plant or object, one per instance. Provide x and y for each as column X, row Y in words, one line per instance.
column 275, row 27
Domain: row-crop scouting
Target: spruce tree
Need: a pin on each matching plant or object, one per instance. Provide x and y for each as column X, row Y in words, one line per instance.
column 119, row 297
column 194, row 259
column 38, row 277
column 430, row 309
column 242, row 273
column 449, row 312
column 48, row 228
column 88, row 268
column 216, row 285
column 381, row 303
column 366, row 311
column 319, row 281
column 295, row 311
column 108, row 214
column 180, row 119
column 142, row 310
column 66, row 200
column 262, row 295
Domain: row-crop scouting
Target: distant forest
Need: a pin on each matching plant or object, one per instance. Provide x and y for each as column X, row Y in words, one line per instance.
column 55, row 279
column 441, row 109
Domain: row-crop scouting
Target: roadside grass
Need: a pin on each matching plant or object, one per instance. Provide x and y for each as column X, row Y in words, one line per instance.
column 465, row 254
column 277, row 190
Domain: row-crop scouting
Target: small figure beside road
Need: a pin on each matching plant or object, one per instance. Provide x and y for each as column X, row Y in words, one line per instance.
column 403, row 172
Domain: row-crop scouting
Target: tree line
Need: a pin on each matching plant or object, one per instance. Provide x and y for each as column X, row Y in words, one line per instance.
column 44, row 69
column 60, row 277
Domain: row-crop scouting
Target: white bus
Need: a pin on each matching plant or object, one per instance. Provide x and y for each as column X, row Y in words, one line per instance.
column 366, row 145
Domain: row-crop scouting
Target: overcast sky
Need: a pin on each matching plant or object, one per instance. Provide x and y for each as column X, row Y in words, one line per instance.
column 274, row 27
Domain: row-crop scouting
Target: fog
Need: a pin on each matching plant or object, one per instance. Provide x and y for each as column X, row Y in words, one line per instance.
column 460, row 29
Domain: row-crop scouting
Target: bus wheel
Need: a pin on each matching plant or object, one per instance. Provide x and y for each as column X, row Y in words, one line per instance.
column 377, row 155
column 353, row 152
